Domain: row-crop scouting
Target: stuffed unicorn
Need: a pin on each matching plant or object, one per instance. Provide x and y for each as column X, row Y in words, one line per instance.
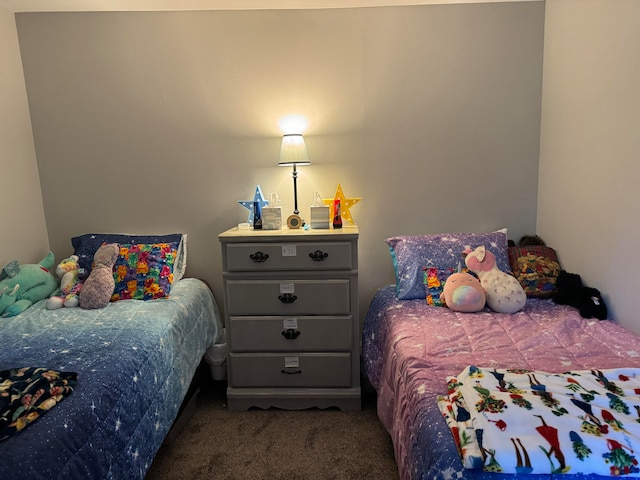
column 503, row 291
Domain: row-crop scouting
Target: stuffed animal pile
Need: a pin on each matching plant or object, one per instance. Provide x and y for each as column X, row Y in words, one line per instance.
column 23, row 285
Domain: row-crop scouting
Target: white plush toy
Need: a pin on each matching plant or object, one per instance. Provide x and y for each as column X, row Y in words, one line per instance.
column 503, row 291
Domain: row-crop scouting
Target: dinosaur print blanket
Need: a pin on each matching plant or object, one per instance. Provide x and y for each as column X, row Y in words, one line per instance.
column 523, row 421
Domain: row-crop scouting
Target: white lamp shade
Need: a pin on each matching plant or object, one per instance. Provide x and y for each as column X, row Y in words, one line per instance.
column 293, row 151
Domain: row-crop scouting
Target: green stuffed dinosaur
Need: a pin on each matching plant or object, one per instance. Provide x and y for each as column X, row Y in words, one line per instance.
column 23, row 285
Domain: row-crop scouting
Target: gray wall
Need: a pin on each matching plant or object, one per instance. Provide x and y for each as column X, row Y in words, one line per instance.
column 590, row 146
column 161, row 122
column 23, row 235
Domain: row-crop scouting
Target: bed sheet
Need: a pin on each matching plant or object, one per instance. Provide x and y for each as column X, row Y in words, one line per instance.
column 135, row 360
column 409, row 348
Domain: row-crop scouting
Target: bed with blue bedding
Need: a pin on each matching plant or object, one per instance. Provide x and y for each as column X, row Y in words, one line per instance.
column 134, row 362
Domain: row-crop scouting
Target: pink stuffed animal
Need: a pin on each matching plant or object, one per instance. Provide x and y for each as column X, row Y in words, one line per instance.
column 504, row 292
column 463, row 293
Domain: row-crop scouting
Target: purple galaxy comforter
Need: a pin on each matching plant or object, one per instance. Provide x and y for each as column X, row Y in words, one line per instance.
column 410, row 348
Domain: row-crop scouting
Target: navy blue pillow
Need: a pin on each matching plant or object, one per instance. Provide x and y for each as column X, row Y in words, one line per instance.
column 85, row 246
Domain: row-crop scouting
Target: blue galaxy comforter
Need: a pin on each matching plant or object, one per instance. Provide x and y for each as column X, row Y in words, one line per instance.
column 134, row 360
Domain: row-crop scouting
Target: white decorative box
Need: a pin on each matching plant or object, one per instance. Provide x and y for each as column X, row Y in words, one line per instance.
column 319, row 216
column 271, row 218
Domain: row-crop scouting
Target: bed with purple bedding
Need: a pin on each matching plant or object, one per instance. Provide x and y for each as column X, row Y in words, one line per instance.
column 110, row 383
column 411, row 350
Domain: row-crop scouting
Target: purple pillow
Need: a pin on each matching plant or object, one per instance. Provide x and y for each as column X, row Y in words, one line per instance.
column 412, row 254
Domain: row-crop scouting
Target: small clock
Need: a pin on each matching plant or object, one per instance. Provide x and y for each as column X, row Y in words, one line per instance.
column 294, row 221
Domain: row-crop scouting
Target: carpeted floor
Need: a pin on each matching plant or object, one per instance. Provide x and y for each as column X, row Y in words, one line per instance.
column 276, row 444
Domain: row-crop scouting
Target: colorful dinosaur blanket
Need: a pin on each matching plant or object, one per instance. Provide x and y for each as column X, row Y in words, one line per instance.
column 27, row 393
column 522, row 421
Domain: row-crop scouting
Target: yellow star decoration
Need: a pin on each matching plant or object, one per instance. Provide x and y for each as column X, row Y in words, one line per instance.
column 345, row 204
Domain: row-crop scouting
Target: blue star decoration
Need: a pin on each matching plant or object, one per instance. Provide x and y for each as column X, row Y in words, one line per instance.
column 248, row 204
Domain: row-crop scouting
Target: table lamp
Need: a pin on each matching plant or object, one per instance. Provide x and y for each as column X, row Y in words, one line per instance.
column 293, row 152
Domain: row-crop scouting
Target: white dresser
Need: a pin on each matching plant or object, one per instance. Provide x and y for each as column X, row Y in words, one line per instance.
column 291, row 315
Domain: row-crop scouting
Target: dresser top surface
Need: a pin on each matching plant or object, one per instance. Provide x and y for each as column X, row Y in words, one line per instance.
column 346, row 232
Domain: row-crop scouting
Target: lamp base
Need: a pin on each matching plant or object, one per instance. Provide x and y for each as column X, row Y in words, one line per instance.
column 294, row 221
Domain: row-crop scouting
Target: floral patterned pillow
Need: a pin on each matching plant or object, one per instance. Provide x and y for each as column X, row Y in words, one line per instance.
column 85, row 246
column 536, row 267
column 144, row 271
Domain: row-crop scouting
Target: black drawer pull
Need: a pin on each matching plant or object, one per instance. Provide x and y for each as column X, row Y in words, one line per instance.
column 318, row 256
column 291, row 372
column 259, row 257
column 287, row 298
column 291, row 334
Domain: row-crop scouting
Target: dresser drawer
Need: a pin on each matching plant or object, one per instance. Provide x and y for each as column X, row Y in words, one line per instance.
column 278, row 370
column 269, row 334
column 288, row 297
column 289, row 256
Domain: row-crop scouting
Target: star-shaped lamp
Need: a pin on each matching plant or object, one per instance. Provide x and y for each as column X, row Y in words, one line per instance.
column 345, row 204
column 248, row 204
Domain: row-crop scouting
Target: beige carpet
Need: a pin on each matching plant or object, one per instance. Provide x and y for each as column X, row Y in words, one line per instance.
column 276, row 444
